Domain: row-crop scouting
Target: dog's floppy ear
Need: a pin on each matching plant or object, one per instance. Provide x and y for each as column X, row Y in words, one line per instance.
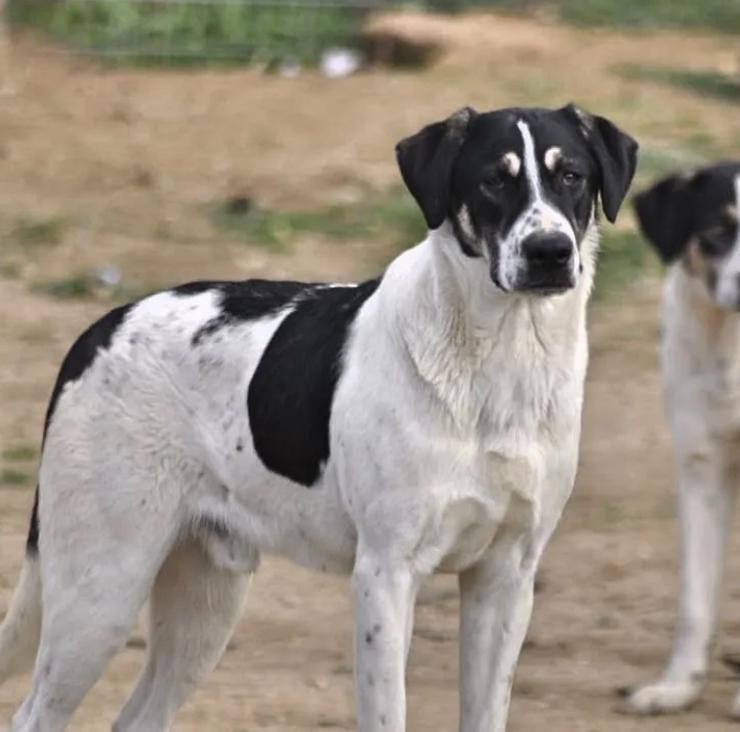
column 426, row 161
column 664, row 215
column 615, row 153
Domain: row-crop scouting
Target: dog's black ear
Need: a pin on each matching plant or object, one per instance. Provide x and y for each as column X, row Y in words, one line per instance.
column 426, row 161
column 664, row 215
column 615, row 153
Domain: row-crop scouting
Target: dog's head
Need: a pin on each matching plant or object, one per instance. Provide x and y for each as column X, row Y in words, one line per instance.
column 519, row 187
column 695, row 218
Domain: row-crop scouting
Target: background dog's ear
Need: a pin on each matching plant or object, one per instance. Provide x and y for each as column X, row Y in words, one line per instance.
column 663, row 213
column 615, row 153
column 426, row 161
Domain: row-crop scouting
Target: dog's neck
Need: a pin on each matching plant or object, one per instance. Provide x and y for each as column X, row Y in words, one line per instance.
column 468, row 339
column 716, row 328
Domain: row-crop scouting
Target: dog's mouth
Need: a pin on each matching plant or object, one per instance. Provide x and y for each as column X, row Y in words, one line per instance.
column 540, row 286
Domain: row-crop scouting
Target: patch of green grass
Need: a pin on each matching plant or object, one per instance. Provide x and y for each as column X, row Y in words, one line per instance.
column 705, row 83
column 31, row 232
column 392, row 216
column 11, row 270
column 654, row 162
column 84, row 286
column 10, row 476
column 621, row 260
column 718, row 15
column 20, row 453
column 151, row 32
column 68, row 288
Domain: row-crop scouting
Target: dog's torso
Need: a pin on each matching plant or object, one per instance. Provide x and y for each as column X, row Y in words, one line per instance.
column 441, row 427
column 701, row 366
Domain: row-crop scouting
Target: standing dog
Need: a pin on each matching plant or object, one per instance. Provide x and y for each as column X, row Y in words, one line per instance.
column 425, row 421
column 693, row 224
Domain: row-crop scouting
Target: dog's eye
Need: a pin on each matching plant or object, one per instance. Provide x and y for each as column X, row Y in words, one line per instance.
column 571, row 177
column 716, row 241
column 493, row 183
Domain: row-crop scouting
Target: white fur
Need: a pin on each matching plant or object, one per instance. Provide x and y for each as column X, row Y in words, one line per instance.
column 728, row 270
column 539, row 215
column 701, row 370
column 454, row 443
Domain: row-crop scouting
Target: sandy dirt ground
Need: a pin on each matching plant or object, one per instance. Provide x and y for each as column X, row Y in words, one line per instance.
column 130, row 160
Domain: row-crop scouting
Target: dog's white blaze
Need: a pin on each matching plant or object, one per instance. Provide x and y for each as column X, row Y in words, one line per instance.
column 728, row 271
column 539, row 215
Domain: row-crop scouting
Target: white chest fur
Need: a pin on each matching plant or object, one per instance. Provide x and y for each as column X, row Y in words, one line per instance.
column 701, row 361
column 475, row 408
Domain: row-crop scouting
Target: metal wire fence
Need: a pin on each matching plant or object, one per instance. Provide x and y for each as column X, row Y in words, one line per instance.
column 196, row 31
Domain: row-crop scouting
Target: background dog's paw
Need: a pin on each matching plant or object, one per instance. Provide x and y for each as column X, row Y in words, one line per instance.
column 735, row 709
column 661, row 698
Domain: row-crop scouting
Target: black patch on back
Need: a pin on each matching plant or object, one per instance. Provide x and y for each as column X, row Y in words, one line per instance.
column 79, row 358
column 246, row 300
column 290, row 396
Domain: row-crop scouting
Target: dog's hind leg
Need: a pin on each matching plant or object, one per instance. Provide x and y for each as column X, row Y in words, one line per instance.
column 20, row 631
column 97, row 568
column 194, row 606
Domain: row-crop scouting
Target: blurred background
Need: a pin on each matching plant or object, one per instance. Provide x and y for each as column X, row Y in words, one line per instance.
column 147, row 143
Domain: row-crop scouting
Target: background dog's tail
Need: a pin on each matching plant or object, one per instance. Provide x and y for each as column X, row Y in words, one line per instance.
column 21, row 629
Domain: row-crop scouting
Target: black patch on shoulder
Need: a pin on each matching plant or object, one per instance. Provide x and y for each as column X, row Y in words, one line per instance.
column 291, row 392
column 77, row 361
column 246, row 300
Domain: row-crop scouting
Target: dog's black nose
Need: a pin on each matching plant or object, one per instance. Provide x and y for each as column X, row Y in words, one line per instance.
column 547, row 249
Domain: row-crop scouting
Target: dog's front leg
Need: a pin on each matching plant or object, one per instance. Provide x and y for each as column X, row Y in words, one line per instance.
column 706, row 498
column 496, row 606
column 384, row 593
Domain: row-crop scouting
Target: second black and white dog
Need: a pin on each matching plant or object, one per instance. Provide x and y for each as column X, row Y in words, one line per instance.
column 692, row 221
column 422, row 422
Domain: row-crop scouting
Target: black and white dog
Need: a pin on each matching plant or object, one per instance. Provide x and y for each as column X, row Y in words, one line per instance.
column 427, row 421
column 692, row 221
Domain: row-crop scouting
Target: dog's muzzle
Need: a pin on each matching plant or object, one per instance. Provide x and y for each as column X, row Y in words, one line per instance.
column 548, row 263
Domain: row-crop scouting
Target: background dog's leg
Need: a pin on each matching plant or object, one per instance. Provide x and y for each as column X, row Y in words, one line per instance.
column 706, row 498
column 193, row 609
column 384, row 597
column 496, row 606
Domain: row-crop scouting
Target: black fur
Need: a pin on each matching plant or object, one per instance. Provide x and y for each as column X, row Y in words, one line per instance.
column 243, row 300
column 290, row 396
column 616, row 158
column 459, row 162
column 79, row 358
column 426, row 160
column 680, row 207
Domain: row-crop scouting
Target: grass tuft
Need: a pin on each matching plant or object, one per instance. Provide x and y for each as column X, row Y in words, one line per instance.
column 713, row 84
column 32, row 232
column 392, row 216
column 19, row 453
column 10, row 476
column 621, row 262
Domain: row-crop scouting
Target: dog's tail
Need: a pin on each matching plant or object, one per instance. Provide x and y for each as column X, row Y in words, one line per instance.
column 21, row 629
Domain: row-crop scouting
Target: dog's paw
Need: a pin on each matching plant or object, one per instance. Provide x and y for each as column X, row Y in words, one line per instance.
column 735, row 709
column 661, row 698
